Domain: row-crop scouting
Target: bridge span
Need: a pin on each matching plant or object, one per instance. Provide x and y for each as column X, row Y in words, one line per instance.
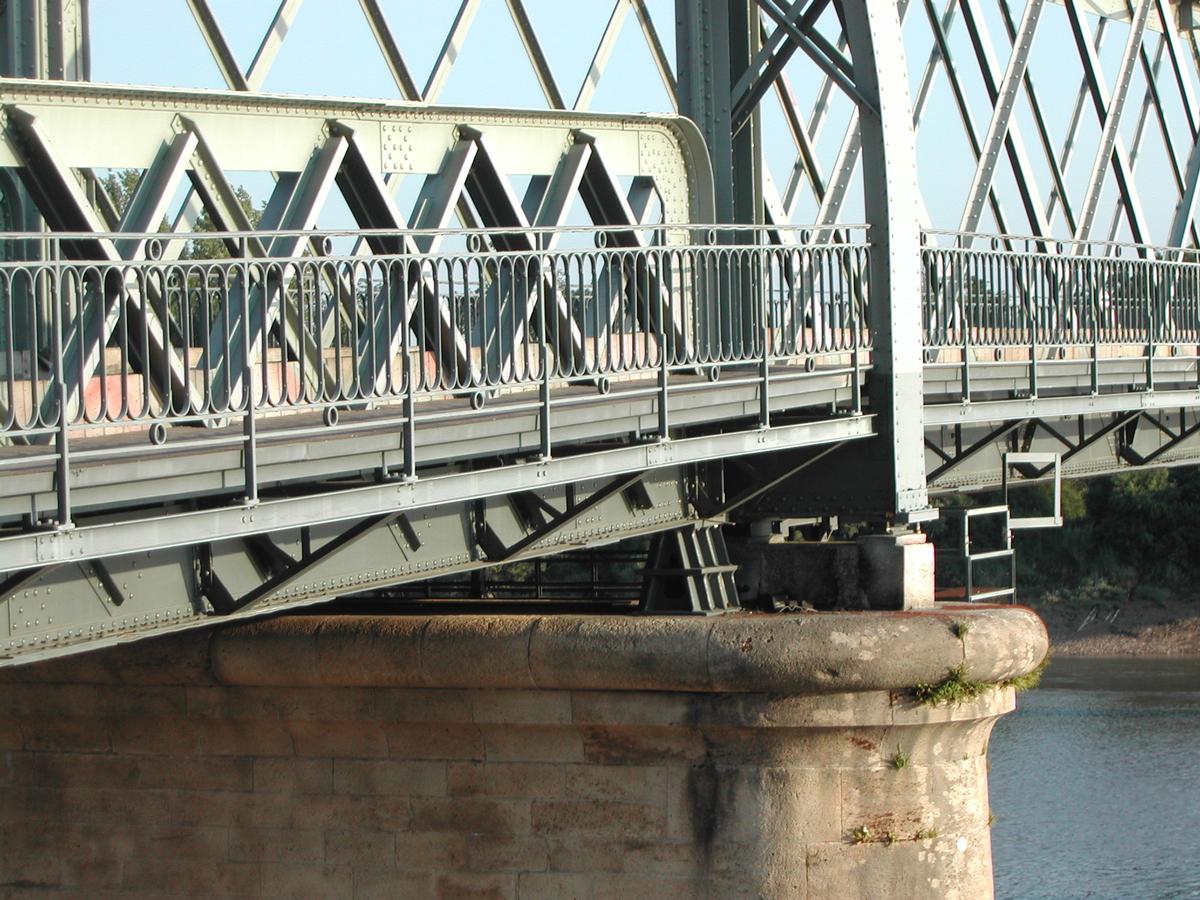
column 309, row 414
column 264, row 347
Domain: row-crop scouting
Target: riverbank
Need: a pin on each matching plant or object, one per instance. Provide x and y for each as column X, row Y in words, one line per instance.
column 1160, row 627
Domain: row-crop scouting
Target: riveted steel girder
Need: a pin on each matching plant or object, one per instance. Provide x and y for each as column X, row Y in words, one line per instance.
column 49, row 610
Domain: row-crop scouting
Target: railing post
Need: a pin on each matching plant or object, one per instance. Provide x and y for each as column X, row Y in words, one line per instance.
column 1033, row 334
column 1093, row 294
column 62, row 441
column 1151, row 319
column 249, row 425
column 664, row 433
column 964, row 293
column 545, row 356
column 969, row 575
column 764, row 406
column 410, row 378
column 856, row 328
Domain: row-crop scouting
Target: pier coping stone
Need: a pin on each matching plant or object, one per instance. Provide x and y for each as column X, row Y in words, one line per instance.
column 822, row 652
column 804, row 653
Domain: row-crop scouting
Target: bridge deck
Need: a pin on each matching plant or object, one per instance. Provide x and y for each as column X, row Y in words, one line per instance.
column 115, row 471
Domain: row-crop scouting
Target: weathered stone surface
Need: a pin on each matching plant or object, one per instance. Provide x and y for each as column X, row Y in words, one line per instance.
column 739, row 653
column 741, row 756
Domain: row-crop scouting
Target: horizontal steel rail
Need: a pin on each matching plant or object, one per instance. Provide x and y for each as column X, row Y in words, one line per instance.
column 255, row 335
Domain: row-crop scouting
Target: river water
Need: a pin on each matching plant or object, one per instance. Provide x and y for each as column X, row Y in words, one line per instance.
column 1095, row 783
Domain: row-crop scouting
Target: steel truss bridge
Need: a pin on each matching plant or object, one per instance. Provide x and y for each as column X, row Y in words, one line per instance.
column 452, row 337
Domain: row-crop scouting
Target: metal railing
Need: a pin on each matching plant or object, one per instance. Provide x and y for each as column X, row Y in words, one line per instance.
column 166, row 340
column 1043, row 296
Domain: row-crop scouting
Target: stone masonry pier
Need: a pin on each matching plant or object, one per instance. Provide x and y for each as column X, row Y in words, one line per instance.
column 513, row 756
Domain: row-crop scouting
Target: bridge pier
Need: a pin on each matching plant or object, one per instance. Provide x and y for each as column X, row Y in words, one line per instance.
column 569, row 756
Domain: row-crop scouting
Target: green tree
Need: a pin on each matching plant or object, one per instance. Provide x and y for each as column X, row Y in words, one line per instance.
column 214, row 248
column 1140, row 518
column 121, row 184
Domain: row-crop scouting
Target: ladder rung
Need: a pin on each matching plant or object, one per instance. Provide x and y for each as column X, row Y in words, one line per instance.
column 697, row 570
column 988, row 595
column 989, row 554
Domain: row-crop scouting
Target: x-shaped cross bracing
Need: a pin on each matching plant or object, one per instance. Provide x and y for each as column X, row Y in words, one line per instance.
column 468, row 180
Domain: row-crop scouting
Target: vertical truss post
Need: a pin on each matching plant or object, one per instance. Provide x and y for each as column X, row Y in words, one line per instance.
column 745, row 39
column 717, row 40
column 705, row 40
column 45, row 39
column 249, row 425
column 893, row 214
column 63, row 436
column 1109, row 108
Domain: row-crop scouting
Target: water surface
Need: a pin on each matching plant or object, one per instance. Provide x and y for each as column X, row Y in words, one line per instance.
column 1095, row 783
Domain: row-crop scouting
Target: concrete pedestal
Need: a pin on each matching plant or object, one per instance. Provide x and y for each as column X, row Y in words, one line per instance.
column 514, row 756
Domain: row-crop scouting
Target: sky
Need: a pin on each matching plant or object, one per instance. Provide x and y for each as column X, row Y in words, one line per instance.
column 330, row 51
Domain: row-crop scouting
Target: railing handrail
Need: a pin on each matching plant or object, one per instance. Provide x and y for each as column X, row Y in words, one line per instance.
column 1059, row 243
column 842, row 230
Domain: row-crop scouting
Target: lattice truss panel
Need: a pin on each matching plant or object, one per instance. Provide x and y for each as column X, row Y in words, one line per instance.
column 1047, row 119
column 1076, row 119
column 969, row 457
column 351, row 157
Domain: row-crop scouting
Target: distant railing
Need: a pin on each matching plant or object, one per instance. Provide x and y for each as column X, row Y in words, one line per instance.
column 1044, row 305
column 1001, row 291
column 168, row 340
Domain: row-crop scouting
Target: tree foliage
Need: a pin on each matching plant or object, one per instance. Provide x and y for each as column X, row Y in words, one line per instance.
column 1135, row 528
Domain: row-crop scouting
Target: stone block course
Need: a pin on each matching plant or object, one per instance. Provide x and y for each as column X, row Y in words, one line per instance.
column 276, row 844
column 356, row 776
column 454, row 741
column 631, row 821
column 496, row 779
column 338, row 738
column 470, row 815
column 507, row 854
column 532, row 743
column 293, row 775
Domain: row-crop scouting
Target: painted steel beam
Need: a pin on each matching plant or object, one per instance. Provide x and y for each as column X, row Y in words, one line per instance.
column 1060, row 193
column 1003, row 94
column 1111, row 150
column 608, row 40
column 533, row 49
column 268, row 50
column 158, row 590
column 392, row 56
column 58, row 196
column 270, row 516
column 412, row 302
column 1088, row 445
column 450, row 51
column 222, row 54
column 945, row 414
column 497, row 207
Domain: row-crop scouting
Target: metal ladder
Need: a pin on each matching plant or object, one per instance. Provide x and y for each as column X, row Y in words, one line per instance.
column 968, row 556
column 689, row 571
